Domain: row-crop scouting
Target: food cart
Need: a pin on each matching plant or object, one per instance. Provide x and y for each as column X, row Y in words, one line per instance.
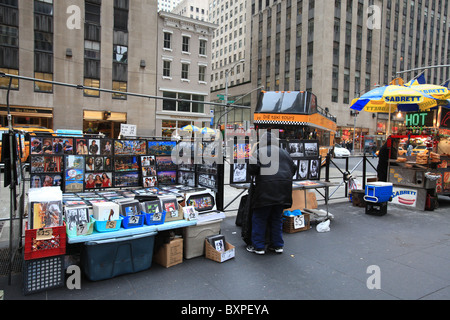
column 418, row 161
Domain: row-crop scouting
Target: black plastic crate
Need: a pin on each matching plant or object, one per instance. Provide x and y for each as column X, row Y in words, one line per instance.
column 43, row 274
column 376, row 209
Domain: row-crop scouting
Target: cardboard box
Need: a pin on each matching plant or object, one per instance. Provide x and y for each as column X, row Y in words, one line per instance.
column 170, row 254
column 213, row 254
column 106, row 211
column 298, row 200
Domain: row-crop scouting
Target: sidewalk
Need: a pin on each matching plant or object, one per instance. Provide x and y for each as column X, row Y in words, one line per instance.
column 411, row 250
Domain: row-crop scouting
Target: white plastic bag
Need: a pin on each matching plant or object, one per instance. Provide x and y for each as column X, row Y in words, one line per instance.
column 323, row 226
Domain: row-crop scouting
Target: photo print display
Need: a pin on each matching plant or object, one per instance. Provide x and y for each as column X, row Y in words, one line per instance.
column 94, row 146
column 314, row 169
column 46, row 180
column 37, row 164
column 167, row 177
column 165, row 163
column 170, row 206
column 241, row 150
column 126, row 163
column 46, row 214
column 303, row 169
column 239, row 173
column 311, row 149
column 161, row 148
column 81, row 146
column 186, row 178
column 295, row 149
column 36, row 145
column 207, row 180
column 53, row 164
column 98, row 180
column 130, row 147
column 76, row 216
column 74, row 173
column 126, row 179
column 106, row 147
column 67, row 145
column 151, row 206
column 148, row 182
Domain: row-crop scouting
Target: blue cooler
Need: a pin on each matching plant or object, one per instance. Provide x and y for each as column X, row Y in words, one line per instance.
column 378, row 192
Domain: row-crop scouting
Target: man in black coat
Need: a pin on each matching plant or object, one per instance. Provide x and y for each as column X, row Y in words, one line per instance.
column 273, row 169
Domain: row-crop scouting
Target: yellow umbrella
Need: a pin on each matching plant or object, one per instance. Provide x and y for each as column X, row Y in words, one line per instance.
column 190, row 128
column 437, row 92
column 390, row 98
column 207, row 130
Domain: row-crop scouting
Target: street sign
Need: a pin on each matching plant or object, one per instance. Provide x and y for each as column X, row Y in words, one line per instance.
column 221, row 97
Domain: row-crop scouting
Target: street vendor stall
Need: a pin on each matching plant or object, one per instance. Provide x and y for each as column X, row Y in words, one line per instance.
column 418, row 161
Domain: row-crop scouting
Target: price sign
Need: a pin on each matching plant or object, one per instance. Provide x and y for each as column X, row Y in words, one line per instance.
column 128, row 130
column 82, row 229
column 44, row 234
column 133, row 220
column 111, row 224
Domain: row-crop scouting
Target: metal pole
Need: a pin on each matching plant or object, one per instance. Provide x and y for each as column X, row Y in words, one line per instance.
column 425, row 68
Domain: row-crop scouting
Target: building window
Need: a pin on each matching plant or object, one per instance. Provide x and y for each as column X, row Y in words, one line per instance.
column 9, row 43
column 167, row 40
column 185, row 44
column 42, row 86
column 202, row 73
column 4, row 81
column 185, row 71
column 190, row 103
column 119, row 86
column 91, row 83
column 202, row 48
column 120, row 54
column 166, row 68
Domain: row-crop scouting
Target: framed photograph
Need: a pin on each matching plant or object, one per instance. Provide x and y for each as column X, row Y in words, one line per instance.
column 190, row 213
column 170, row 206
column 74, row 186
column 303, row 169
column 151, row 206
column 74, row 175
column 76, row 216
column 130, row 209
column 241, row 151
column 51, row 180
column 46, row 214
column 161, row 148
column 296, row 149
column 186, row 178
column 148, row 161
column 47, row 146
column 36, row 181
column 81, row 146
column 67, row 144
column 126, row 163
column 126, row 179
column 207, row 167
column 239, row 173
column 149, row 182
column 207, row 180
column 165, row 163
column 311, row 149
column 217, row 242
column 98, row 180
column 37, row 164
column 107, row 163
column 106, row 147
column 130, row 147
column 36, row 145
column 58, row 146
column 201, row 202
column 90, row 163
column 74, row 162
column 52, row 164
column 167, row 177
column 314, row 169
column 295, row 176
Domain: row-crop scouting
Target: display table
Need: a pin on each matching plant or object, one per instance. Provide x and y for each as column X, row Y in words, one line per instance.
column 96, row 236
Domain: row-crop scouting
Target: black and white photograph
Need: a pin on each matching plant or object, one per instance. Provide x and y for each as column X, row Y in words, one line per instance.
column 186, row 178
column 94, row 146
column 190, row 213
column 296, row 149
column 76, row 216
column 207, row 180
column 239, row 173
column 295, row 176
column 311, row 149
column 303, row 166
column 314, row 169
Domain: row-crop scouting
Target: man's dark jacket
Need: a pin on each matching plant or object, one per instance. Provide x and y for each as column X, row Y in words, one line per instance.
column 275, row 189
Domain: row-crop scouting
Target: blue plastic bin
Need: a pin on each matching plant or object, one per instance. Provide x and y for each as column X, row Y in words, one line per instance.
column 106, row 259
column 152, row 219
column 136, row 221
column 378, row 192
column 104, row 226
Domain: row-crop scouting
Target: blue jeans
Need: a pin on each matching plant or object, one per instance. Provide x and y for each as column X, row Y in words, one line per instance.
column 261, row 217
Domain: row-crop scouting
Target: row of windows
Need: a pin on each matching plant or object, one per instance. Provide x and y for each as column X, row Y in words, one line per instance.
column 185, row 44
column 185, row 75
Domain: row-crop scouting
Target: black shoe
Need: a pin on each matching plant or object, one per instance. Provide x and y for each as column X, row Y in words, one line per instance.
column 276, row 249
column 257, row 251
